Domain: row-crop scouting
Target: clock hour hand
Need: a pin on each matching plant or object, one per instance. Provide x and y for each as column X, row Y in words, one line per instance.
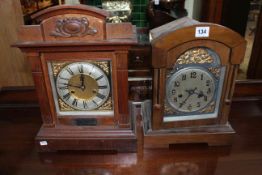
column 82, row 79
column 190, row 93
column 200, row 94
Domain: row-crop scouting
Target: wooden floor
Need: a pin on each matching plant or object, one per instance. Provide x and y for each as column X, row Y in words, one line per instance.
column 18, row 154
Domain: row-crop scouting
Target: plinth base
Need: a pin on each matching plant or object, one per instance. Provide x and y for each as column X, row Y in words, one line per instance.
column 212, row 135
column 56, row 139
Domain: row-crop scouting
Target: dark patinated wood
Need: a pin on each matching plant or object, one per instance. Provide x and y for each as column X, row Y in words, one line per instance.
column 19, row 156
column 255, row 64
column 167, row 45
column 80, row 33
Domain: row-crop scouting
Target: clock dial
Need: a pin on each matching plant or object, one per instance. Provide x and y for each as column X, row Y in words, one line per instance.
column 82, row 86
column 190, row 89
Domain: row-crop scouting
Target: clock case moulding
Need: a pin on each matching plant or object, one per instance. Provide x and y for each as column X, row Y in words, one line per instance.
column 78, row 33
column 168, row 43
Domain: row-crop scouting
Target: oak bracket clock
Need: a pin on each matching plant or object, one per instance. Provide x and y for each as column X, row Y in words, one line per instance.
column 195, row 66
column 79, row 65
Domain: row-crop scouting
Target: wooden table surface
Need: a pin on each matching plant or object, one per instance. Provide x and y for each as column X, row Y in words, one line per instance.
column 18, row 154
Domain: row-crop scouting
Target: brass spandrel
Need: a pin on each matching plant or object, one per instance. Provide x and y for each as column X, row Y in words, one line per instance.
column 195, row 56
column 57, row 66
column 104, row 65
column 108, row 105
column 210, row 108
column 215, row 71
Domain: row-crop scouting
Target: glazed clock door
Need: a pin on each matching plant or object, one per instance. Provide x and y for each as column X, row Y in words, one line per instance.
column 82, row 88
column 194, row 86
column 190, row 89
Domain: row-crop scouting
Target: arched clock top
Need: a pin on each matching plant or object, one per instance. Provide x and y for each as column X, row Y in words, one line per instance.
column 70, row 9
column 164, row 41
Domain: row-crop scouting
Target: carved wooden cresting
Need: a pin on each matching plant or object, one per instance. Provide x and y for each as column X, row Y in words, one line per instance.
column 70, row 27
column 79, row 65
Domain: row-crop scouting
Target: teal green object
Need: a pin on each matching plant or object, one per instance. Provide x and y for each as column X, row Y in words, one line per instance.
column 138, row 13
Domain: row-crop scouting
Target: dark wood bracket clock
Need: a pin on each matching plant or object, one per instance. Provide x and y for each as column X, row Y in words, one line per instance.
column 79, row 66
column 195, row 66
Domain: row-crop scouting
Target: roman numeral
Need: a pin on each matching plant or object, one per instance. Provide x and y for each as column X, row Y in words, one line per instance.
column 84, row 104
column 208, row 83
column 209, row 91
column 183, row 77
column 101, row 96
column 67, row 79
column 94, row 102
column 69, row 71
column 63, row 87
column 81, row 69
column 74, row 103
column 100, row 77
column 177, row 83
column 66, row 96
column 102, row 87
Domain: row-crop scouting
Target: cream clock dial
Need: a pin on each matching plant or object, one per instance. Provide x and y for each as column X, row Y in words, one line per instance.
column 190, row 89
column 82, row 86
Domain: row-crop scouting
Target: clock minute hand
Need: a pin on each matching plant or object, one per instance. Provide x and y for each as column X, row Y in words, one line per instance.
column 184, row 102
column 82, row 79
column 71, row 85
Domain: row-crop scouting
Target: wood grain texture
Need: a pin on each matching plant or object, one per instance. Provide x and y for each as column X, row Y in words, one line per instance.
column 212, row 11
column 19, row 156
column 14, row 68
column 255, row 65
column 66, row 37
column 166, row 49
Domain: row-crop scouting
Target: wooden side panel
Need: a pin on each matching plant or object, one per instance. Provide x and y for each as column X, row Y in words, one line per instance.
column 238, row 54
column 158, row 108
column 122, row 89
column 47, row 118
column 41, row 92
column 228, row 93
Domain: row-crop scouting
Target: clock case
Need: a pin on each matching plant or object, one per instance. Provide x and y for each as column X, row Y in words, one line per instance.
column 79, row 33
column 168, row 43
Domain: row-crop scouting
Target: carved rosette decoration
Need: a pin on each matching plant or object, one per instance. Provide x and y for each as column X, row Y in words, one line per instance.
column 73, row 27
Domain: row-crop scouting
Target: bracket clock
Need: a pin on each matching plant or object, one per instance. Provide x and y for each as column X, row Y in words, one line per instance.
column 79, row 65
column 195, row 66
